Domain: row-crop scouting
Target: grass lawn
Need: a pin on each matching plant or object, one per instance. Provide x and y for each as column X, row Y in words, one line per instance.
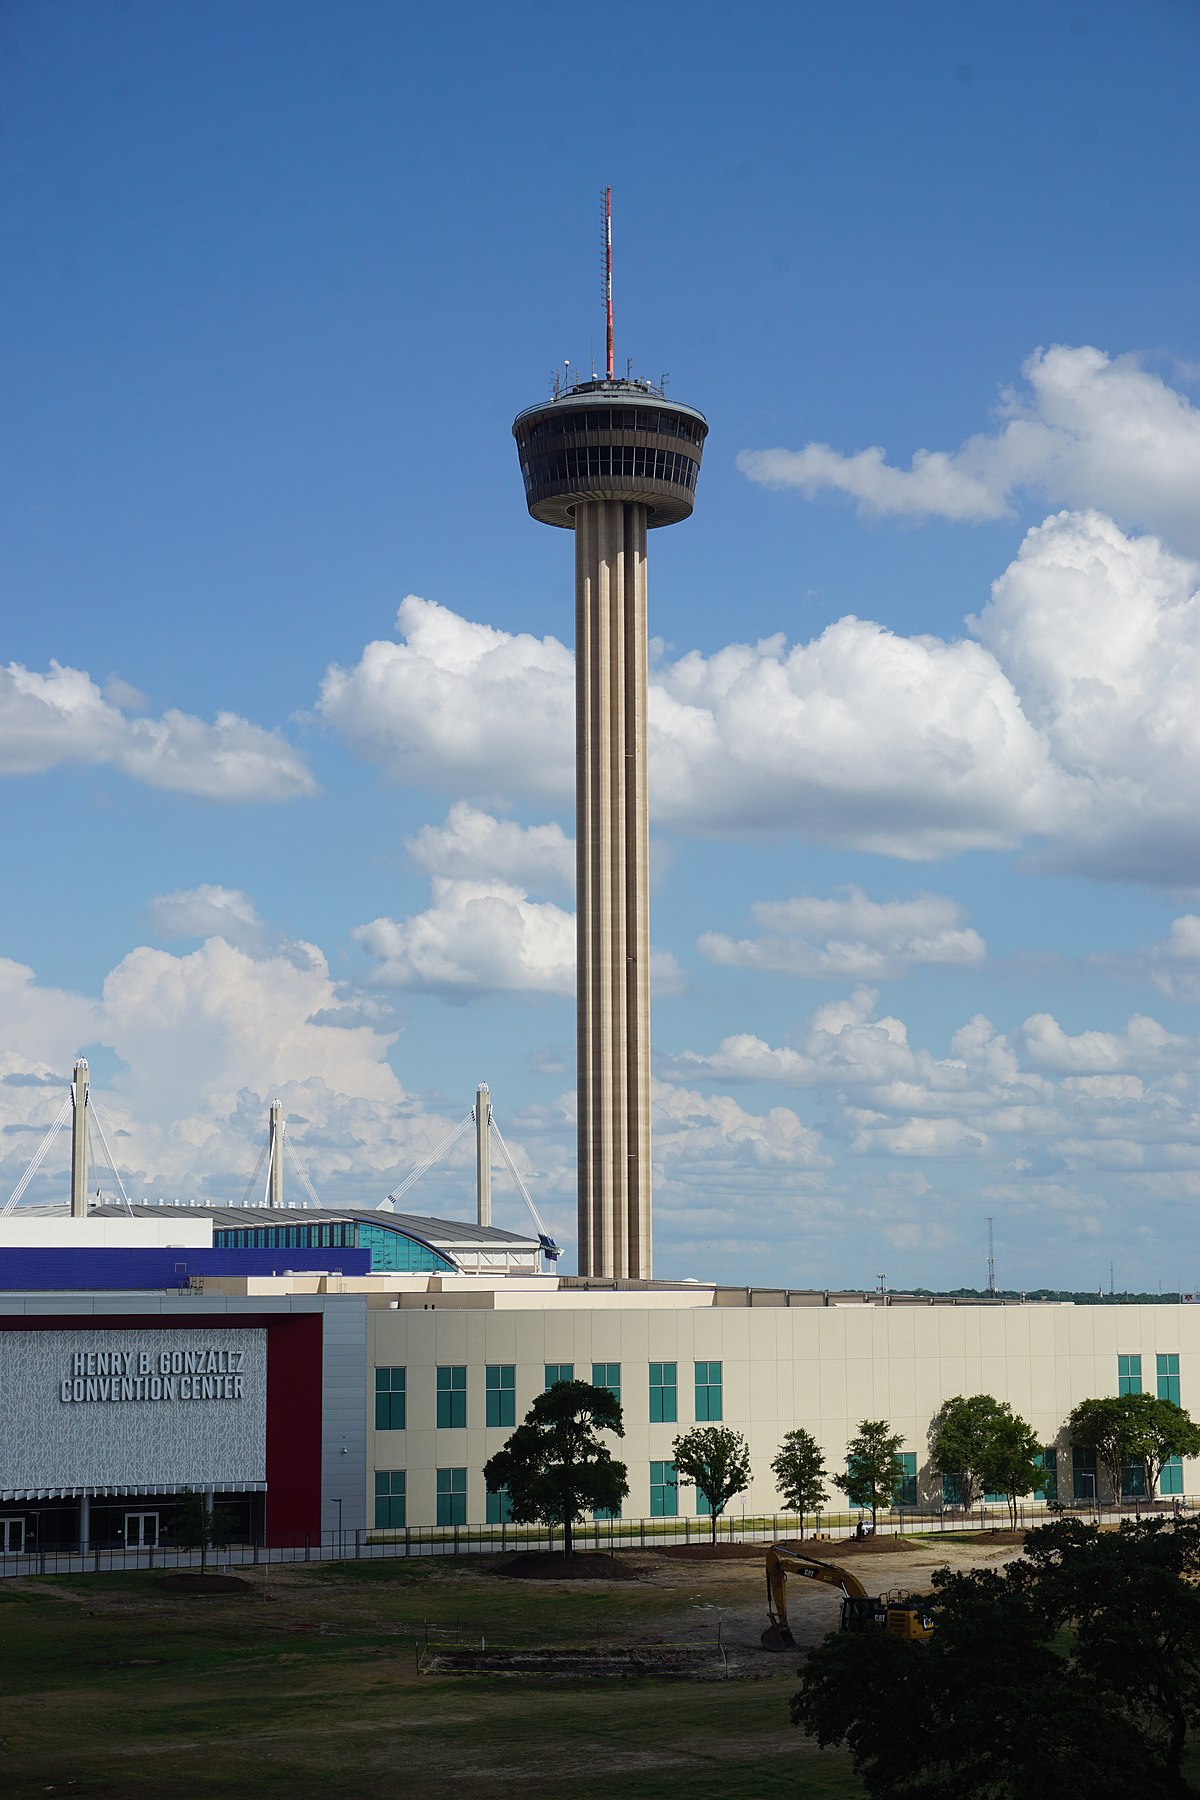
column 308, row 1685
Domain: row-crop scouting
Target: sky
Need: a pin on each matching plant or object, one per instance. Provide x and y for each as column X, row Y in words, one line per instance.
column 286, row 669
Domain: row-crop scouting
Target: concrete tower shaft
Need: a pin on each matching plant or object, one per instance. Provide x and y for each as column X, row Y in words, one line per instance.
column 612, row 856
column 611, row 460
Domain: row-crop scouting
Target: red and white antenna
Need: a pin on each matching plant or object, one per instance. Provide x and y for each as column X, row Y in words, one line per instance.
column 608, row 274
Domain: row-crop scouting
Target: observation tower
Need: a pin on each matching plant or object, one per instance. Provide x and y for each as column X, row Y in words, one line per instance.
column 611, row 459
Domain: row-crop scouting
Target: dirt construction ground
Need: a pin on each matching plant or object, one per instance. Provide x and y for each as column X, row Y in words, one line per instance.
column 308, row 1682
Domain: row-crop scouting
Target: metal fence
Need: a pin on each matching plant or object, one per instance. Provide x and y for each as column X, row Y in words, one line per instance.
column 613, row 1535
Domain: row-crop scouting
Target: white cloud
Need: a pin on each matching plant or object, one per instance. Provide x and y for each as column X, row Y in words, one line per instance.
column 472, row 844
column 62, row 717
column 484, row 934
column 1089, row 430
column 1070, row 727
column 854, row 937
column 478, row 937
column 208, row 911
column 460, row 705
column 1048, row 1103
column 1143, row 1044
column 204, row 1042
column 1174, row 964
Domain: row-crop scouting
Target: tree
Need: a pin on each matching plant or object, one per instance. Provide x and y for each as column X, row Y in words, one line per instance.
column 554, row 1466
column 1159, row 1430
column 1013, row 1466
column 1002, row 1702
column 716, row 1462
column 800, row 1473
column 873, row 1467
column 987, row 1446
column 197, row 1526
column 1105, row 1427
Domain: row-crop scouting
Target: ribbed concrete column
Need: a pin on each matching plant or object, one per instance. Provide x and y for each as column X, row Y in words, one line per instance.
column 612, row 834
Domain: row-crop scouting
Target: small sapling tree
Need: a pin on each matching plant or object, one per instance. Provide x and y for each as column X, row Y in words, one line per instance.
column 554, row 1465
column 716, row 1462
column 198, row 1526
column 873, row 1468
column 800, row 1474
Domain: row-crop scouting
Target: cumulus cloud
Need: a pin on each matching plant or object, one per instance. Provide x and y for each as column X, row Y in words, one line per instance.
column 1044, row 1104
column 62, row 717
column 853, row 937
column 1086, row 430
column 1067, row 725
column 460, row 705
column 472, row 844
column 208, row 911
column 484, row 933
column 478, row 937
column 1174, row 965
column 201, row 1043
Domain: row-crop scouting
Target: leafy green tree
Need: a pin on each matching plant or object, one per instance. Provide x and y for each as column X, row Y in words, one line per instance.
column 1106, row 1427
column 1013, row 1466
column 197, row 1526
column 716, row 1462
column 1000, row 1703
column 874, row 1471
column 800, row 1473
column 554, row 1466
column 1159, row 1430
column 987, row 1446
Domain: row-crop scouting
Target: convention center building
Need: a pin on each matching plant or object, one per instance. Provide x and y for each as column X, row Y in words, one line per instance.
column 322, row 1370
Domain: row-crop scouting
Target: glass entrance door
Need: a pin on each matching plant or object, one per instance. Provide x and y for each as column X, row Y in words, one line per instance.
column 12, row 1537
column 141, row 1531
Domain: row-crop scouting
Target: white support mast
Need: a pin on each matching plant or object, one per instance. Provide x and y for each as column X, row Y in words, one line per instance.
column 80, row 1092
column 275, row 1152
column 483, row 1154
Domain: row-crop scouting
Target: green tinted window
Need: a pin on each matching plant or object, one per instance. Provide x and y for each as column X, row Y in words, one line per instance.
column 390, row 1500
column 607, row 1375
column 708, row 1393
column 556, row 1372
column 664, row 1490
column 391, row 1399
column 664, row 1391
column 452, row 1496
column 452, row 1397
column 1168, row 1378
column 1129, row 1374
column 906, row 1493
column 500, row 1395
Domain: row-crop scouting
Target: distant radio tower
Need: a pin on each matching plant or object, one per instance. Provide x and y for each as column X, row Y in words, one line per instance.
column 991, row 1263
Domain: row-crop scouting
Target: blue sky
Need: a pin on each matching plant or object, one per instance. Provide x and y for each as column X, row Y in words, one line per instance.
column 284, row 765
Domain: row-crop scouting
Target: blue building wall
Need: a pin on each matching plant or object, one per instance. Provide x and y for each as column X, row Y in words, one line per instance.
column 63, row 1269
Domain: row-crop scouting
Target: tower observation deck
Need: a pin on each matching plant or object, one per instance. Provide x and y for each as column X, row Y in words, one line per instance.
column 611, row 459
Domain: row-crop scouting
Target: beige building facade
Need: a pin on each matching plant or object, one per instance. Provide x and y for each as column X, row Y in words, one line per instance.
column 761, row 1363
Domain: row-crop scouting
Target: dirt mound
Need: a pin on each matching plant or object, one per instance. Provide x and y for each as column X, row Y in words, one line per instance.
column 552, row 1565
column 203, row 1584
column 714, row 1552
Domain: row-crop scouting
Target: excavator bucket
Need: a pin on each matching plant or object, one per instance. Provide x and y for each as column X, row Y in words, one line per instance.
column 777, row 1637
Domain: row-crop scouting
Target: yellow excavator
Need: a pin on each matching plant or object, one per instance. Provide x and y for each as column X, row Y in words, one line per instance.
column 905, row 1617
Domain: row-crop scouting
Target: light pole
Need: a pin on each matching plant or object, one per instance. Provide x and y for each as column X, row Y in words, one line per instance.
column 1088, row 1476
column 338, row 1504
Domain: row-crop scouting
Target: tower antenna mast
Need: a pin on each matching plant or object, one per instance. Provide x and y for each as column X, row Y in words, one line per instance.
column 608, row 275
column 991, row 1287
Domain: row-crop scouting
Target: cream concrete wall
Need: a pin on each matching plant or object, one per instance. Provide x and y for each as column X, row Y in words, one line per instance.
column 823, row 1368
column 41, row 1231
